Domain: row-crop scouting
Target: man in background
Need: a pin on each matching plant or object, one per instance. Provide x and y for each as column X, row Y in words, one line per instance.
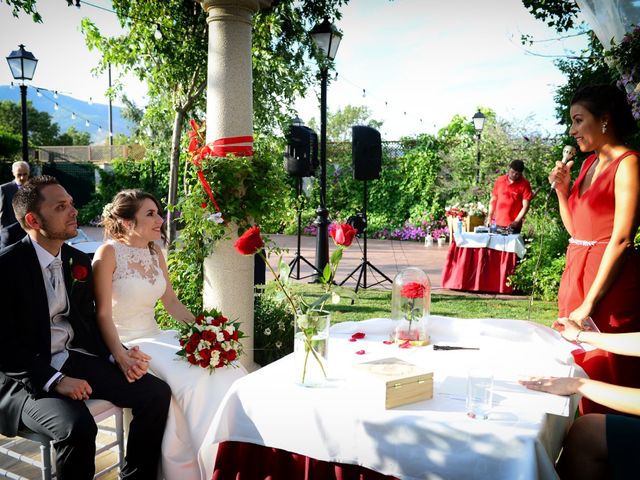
column 10, row 231
column 510, row 199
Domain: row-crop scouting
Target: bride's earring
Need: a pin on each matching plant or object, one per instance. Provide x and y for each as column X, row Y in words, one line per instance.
column 604, row 127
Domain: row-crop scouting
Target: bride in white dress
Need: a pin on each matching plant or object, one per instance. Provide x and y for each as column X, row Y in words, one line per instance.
column 130, row 275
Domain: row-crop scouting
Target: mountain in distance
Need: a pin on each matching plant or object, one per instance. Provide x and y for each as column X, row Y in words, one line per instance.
column 97, row 113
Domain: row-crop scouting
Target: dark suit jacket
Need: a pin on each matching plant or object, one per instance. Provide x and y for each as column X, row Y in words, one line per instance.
column 25, row 341
column 7, row 216
column 10, row 235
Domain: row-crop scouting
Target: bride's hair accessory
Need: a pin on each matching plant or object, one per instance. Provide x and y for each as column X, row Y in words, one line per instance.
column 106, row 210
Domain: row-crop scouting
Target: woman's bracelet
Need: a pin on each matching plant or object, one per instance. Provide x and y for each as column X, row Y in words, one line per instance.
column 578, row 337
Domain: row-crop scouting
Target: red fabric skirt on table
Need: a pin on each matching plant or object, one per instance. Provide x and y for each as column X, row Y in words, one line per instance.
column 478, row 269
column 248, row 461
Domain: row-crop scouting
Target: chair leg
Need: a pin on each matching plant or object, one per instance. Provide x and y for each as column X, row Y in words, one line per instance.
column 45, row 455
column 120, row 438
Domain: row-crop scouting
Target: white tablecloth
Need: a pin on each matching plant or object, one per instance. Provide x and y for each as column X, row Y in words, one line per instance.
column 504, row 243
column 346, row 422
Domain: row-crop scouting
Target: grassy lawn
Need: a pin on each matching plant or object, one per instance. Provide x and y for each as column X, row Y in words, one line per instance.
column 377, row 303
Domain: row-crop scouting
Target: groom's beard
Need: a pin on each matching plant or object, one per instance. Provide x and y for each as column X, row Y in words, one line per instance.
column 59, row 234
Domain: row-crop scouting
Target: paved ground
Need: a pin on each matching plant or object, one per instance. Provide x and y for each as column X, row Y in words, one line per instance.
column 388, row 256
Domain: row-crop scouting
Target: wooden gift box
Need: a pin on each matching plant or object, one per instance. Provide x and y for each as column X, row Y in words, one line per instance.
column 401, row 382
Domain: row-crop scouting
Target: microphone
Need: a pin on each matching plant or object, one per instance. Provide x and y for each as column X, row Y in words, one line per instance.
column 568, row 152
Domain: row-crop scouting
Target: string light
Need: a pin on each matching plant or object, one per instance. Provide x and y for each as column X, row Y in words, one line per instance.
column 73, row 116
column 38, row 92
column 55, row 106
column 90, row 101
column 55, row 94
column 158, row 33
column 86, row 123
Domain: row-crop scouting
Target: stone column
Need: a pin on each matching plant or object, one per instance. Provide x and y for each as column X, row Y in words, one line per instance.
column 228, row 276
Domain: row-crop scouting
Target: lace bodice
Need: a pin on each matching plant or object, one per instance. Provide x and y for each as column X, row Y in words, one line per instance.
column 138, row 283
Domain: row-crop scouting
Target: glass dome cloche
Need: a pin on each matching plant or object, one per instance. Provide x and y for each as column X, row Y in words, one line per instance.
column 410, row 307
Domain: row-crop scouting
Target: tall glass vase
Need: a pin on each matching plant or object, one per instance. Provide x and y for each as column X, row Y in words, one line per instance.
column 410, row 306
column 310, row 350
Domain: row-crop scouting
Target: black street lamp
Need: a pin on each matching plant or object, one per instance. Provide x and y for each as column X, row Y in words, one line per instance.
column 478, row 124
column 327, row 39
column 23, row 65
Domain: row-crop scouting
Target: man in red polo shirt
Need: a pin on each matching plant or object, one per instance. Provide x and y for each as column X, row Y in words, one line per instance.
column 510, row 199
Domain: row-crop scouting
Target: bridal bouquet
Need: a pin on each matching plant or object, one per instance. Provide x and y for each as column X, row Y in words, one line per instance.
column 211, row 341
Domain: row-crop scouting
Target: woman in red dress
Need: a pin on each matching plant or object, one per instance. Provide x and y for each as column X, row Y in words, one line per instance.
column 601, row 212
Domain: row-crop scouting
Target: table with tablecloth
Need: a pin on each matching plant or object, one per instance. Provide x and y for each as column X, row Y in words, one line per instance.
column 270, row 425
column 482, row 262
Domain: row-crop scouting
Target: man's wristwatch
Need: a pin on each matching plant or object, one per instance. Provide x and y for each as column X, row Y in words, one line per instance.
column 57, row 381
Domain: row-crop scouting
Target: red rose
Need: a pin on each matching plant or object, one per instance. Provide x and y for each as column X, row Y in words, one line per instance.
column 231, row 355
column 204, row 363
column 79, row 272
column 216, row 322
column 234, row 335
column 208, row 336
column 342, row 233
column 191, row 346
column 205, row 354
column 412, row 290
column 200, row 319
column 226, row 334
column 249, row 243
column 192, row 360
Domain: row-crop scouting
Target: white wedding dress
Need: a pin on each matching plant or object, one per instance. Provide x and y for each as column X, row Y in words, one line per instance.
column 138, row 283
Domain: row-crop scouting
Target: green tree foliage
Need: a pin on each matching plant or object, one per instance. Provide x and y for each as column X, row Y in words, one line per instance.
column 339, row 123
column 74, row 137
column 10, row 144
column 26, row 6
column 560, row 14
column 42, row 131
column 175, row 65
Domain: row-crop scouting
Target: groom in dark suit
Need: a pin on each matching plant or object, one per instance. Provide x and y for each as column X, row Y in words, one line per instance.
column 52, row 356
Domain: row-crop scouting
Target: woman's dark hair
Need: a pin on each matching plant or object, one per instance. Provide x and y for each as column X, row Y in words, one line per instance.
column 600, row 100
column 124, row 206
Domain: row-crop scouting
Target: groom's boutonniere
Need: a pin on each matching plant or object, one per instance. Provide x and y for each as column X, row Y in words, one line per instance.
column 79, row 273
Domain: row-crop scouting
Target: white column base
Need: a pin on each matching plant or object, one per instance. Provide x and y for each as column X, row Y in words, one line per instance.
column 228, row 287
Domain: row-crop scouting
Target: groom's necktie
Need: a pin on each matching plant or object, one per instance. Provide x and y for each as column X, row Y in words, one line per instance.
column 55, row 275
column 61, row 331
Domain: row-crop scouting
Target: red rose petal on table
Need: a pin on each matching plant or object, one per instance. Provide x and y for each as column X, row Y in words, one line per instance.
column 358, row 335
column 360, row 352
column 352, row 339
column 387, row 342
column 406, row 344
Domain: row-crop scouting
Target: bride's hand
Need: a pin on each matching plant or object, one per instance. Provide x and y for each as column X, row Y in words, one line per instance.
column 134, row 364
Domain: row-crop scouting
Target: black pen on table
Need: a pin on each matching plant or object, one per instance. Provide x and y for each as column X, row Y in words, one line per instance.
column 450, row 347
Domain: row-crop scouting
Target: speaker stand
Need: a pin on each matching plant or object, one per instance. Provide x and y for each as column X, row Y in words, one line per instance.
column 365, row 264
column 295, row 262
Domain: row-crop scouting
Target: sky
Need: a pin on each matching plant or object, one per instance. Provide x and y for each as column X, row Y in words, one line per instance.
column 413, row 63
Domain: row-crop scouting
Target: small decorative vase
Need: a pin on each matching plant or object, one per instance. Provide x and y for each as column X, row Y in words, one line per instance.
column 410, row 306
column 310, row 350
column 428, row 240
column 442, row 241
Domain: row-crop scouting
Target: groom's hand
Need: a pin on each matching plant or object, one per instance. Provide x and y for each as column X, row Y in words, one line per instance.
column 74, row 388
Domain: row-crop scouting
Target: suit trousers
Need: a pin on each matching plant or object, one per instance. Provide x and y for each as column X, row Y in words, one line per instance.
column 71, row 427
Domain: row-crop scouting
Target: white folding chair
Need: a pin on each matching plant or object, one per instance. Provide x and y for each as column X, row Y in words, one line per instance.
column 101, row 411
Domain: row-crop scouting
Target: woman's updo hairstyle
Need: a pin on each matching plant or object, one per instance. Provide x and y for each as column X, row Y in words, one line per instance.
column 600, row 100
column 124, row 207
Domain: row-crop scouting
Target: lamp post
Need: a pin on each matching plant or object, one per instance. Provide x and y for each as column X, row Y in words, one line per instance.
column 327, row 39
column 478, row 124
column 23, row 65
